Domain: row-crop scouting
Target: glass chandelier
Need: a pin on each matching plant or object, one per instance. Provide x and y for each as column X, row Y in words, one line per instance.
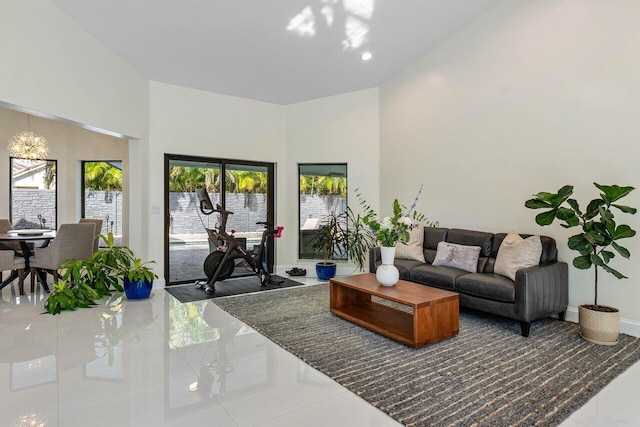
column 28, row 145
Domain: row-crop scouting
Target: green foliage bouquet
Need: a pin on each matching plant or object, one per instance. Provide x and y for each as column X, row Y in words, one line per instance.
column 393, row 229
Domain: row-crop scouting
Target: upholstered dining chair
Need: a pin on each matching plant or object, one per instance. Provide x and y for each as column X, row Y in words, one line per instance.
column 5, row 226
column 10, row 262
column 98, row 223
column 73, row 241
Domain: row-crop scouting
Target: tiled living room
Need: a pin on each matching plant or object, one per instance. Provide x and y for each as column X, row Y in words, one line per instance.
column 483, row 104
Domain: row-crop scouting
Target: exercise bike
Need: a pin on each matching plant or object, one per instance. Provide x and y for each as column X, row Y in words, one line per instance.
column 225, row 249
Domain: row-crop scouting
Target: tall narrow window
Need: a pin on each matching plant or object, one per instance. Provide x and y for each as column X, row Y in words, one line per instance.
column 33, row 193
column 323, row 189
column 102, row 195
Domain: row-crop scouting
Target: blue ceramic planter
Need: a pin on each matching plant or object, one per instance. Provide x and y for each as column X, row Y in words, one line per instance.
column 326, row 271
column 139, row 289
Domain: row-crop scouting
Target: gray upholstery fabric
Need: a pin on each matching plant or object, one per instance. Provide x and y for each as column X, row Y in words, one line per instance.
column 439, row 276
column 9, row 261
column 404, row 266
column 5, row 225
column 433, row 236
column 98, row 223
column 541, row 291
column 73, row 241
column 430, row 255
column 490, row 286
column 472, row 238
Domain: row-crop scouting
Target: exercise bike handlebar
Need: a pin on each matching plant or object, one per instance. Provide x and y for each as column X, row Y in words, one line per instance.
column 222, row 211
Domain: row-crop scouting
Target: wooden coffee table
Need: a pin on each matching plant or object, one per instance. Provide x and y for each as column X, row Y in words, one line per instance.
column 435, row 311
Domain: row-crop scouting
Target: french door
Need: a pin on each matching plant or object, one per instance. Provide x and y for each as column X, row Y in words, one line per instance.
column 245, row 188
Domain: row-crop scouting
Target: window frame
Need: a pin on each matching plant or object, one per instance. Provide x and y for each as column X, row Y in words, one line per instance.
column 346, row 199
column 11, row 188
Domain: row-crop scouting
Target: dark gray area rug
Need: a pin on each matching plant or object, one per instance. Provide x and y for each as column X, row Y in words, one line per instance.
column 487, row 375
column 225, row 288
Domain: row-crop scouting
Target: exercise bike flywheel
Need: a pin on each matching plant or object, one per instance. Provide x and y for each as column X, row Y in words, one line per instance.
column 212, row 262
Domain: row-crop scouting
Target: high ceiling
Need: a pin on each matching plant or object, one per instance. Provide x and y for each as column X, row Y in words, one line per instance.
column 278, row 51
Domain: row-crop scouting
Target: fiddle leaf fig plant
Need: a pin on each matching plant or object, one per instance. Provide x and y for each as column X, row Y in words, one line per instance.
column 598, row 243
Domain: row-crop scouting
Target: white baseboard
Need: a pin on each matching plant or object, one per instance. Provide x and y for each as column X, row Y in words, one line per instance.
column 343, row 269
column 627, row 326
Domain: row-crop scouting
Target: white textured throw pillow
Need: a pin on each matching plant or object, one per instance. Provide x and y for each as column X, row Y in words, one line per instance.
column 459, row 256
column 516, row 253
column 413, row 249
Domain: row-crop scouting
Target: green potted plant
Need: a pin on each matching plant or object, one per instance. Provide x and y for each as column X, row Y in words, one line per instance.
column 85, row 281
column 341, row 234
column 595, row 244
column 137, row 278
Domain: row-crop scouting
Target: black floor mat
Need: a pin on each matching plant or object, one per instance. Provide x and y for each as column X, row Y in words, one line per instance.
column 225, row 288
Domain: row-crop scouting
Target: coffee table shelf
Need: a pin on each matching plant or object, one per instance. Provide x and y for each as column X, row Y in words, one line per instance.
column 434, row 313
column 379, row 318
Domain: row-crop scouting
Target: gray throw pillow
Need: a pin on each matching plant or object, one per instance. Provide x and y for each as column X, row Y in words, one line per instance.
column 516, row 253
column 459, row 256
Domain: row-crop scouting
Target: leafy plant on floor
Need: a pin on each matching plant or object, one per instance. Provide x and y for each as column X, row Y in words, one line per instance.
column 343, row 234
column 600, row 232
column 85, row 281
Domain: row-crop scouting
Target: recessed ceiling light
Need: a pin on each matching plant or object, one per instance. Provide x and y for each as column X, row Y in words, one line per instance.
column 366, row 56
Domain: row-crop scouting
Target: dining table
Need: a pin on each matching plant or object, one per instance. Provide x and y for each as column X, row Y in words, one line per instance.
column 24, row 238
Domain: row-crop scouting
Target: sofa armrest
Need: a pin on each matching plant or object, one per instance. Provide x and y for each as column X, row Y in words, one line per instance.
column 542, row 290
column 374, row 259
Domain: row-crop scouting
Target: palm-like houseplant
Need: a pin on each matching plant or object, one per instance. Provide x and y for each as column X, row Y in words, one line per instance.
column 596, row 244
column 341, row 234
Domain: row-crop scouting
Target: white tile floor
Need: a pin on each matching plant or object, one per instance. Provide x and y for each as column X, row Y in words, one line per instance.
column 161, row 363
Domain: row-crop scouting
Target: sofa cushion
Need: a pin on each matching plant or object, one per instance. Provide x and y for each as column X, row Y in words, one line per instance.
column 458, row 256
column 472, row 238
column 516, row 253
column 413, row 248
column 436, row 275
column 429, row 255
column 487, row 285
column 405, row 266
column 433, row 236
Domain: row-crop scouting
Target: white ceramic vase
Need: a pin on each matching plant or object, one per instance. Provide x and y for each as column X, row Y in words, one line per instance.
column 387, row 273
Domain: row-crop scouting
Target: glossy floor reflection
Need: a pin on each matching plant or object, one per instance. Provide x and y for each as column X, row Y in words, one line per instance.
column 158, row 362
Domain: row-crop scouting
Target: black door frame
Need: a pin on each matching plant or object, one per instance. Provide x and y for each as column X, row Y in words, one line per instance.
column 223, row 162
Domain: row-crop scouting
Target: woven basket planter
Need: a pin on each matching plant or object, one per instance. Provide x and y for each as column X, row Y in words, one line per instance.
column 599, row 327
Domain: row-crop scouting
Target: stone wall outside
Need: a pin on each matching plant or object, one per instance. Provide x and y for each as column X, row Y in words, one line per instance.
column 248, row 208
column 28, row 203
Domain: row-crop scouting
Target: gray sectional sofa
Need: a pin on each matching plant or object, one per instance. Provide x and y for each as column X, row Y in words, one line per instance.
column 537, row 292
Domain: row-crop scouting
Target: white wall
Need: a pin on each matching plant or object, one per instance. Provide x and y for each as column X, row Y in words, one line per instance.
column 193, row 122
column 528, row 97
column 337, row 129
column 69, row 146
column 51, row 66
